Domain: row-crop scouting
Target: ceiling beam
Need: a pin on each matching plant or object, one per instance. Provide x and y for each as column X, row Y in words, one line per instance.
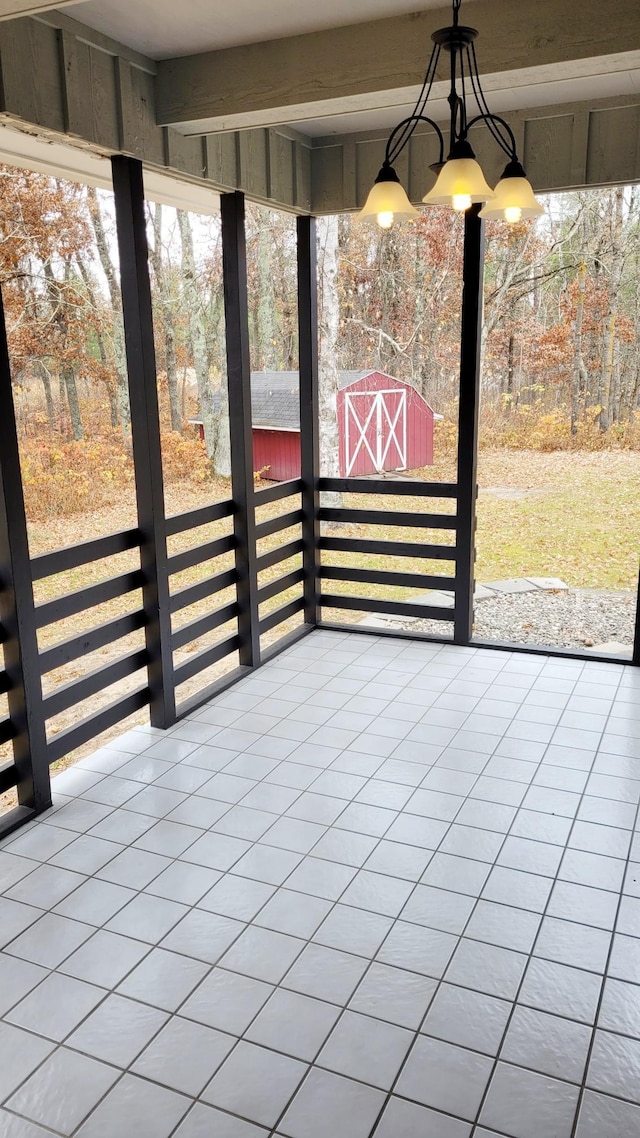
column 11, row 9
column 361, row 66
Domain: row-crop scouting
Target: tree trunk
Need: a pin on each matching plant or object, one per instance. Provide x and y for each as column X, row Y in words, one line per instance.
column 197, row 334
column 48, row 396
column 113, row 403
column 67, row 375
column 579, row 375
column 168, row 324
column 267, row 325
column 222, row 456
column 115, row 296
column 615, row 277
column 510, row 368
column 329, row 326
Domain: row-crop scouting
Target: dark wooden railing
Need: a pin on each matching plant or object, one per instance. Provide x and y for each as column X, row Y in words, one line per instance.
column 382, row 547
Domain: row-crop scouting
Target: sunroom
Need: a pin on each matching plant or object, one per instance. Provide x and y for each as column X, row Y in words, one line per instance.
column 289, row 845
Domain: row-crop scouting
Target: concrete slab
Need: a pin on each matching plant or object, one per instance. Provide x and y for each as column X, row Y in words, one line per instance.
column 549, row 584
column 434, row 599
column 374, row 621
column 483, row 593
column 611, row 648
column 512, row 585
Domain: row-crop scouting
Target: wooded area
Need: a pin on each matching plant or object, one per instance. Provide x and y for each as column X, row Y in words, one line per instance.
column 561, row 339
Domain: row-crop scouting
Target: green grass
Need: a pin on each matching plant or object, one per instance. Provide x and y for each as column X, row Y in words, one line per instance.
column 579, row 520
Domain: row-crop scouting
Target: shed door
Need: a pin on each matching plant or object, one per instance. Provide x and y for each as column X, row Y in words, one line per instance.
column 375, row 430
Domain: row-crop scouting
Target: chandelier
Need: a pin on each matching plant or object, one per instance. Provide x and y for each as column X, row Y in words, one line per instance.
column 460, row 181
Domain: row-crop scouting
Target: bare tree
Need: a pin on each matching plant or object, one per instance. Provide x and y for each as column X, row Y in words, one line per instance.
column 167, row 321
column 197, row 333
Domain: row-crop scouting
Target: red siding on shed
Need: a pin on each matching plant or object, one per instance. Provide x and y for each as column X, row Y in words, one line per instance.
column 383, row 424
column 276, row 454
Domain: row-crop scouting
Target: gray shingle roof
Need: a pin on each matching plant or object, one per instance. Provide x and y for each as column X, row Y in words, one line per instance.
column 274, row 397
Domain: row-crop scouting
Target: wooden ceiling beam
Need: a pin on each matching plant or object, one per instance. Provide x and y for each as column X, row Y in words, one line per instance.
column 361, row 66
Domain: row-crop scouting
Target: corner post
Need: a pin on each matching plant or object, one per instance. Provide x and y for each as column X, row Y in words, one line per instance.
column 145, row 433
column 636, row 656
column 470, row 352
column 17, row 613
column 309, row 444
column 234, row 271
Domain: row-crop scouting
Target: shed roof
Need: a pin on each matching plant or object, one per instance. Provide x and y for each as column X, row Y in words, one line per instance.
column 274, row 396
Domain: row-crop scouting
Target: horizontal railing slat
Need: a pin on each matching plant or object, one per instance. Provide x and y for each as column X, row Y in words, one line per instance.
column 388, row 548
column 48, row 564
column 388, row 518
column 199, row 553
column 72, row 603
column 179, row 523
column 273, row 619
column 386, row 577
column 390, row 487
column 190, row 595
column 280, row 585
column 201, row 660
column 87, row 642
column 67, row 695
column 5, row 683
column 278, row 491
column 204, row 624
column 282, row 553
column 80, row 733
column 392, row 608
column 274, row 525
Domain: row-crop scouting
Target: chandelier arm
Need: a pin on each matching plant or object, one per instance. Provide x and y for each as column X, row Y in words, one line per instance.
column 425, row 93
column 485, row 113
column 490, row 120
column 392, row 152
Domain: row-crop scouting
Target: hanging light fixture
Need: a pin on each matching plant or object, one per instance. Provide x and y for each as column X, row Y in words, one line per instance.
column 460, row 181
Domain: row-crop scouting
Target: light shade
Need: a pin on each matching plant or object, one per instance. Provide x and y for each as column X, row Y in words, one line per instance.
column 459, row 183
column 387, row 200
column 514, row 198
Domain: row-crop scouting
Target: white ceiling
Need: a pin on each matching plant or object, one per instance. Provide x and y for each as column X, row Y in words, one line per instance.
column 162, row 29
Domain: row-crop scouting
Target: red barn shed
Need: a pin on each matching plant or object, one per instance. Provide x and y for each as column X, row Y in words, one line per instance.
column 383, row 424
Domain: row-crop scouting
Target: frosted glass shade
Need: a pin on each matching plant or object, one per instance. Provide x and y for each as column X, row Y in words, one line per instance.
column 459, row 183
column 387, row 202
column 514, row 201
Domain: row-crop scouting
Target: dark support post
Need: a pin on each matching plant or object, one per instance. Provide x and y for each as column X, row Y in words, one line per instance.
column 234, row 267
column 470, row 341
column 309, row 445
column 145, row 432
column 17, row 611
column 636, row 657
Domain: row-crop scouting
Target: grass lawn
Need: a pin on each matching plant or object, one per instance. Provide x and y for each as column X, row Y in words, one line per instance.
column 569, row 515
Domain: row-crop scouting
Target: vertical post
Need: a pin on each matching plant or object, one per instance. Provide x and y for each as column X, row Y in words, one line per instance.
column 636, row 656
column 234, row 271
column 145, row 432
column 470, row 346
column 309, row 444
column 17, row 610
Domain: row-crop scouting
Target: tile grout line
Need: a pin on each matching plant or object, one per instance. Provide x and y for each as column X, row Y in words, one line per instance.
column 372, row 777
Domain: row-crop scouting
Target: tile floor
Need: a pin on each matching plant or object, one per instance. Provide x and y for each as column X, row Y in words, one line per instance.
column 378, row 888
